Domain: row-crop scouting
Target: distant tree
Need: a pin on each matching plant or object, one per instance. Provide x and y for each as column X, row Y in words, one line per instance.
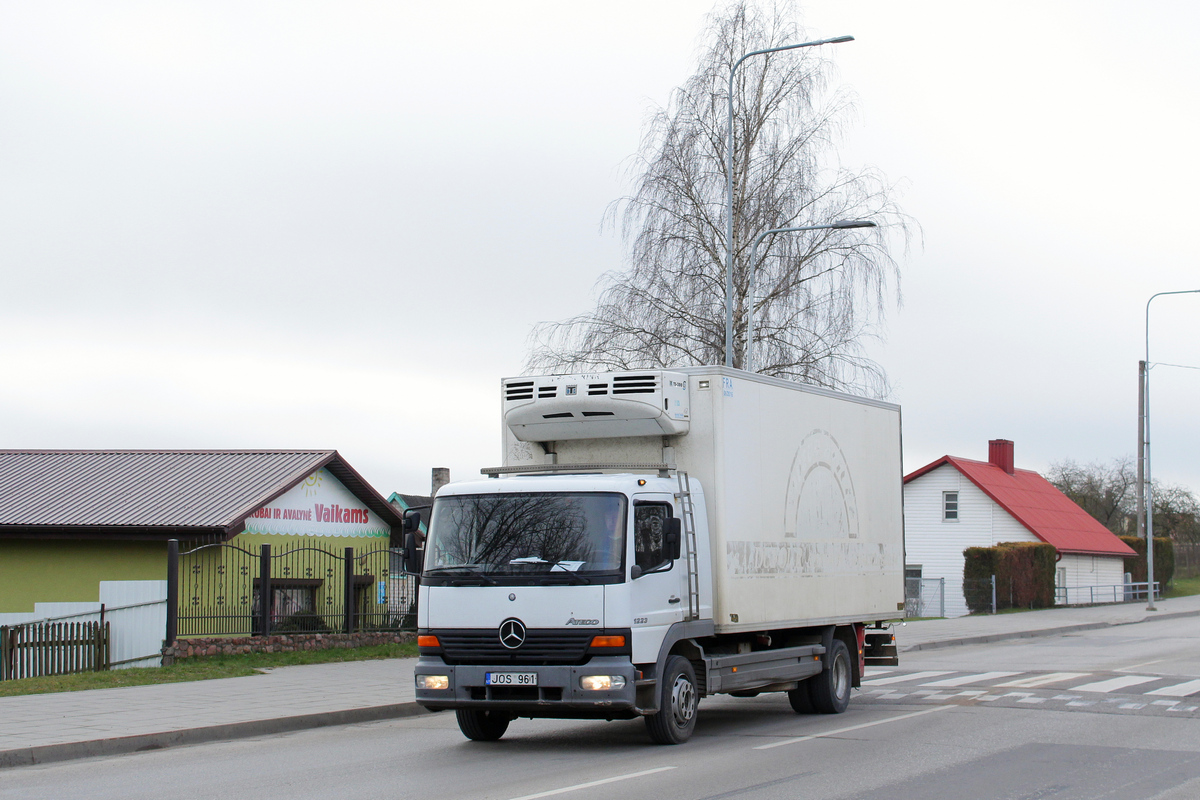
column 1176, row 513
column 820, row 296
column 1106, row 491
column 1109, row 493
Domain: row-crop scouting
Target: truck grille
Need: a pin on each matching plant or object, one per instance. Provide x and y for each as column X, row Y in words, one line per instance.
column 541, row 647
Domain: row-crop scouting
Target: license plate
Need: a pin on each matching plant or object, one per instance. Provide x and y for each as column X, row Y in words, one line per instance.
column 510, row 678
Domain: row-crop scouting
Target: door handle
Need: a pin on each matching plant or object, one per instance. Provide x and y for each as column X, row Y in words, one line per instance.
column 673, row 599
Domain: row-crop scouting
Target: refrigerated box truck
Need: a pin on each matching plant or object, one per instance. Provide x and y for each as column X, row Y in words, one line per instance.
column 655, row 537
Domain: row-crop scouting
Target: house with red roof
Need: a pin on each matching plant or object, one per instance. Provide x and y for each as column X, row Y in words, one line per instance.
column 955, row 503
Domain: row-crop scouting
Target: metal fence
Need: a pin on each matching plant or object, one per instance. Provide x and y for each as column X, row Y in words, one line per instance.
column 924, row 597
column 228, row 590
column 1095, row 595
column 34, row 650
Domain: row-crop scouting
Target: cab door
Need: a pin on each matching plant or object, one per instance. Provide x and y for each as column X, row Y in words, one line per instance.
column 659, row 592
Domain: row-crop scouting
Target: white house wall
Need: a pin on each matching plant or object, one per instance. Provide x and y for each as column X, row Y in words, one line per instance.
column 1103, row 572
column 937, row 546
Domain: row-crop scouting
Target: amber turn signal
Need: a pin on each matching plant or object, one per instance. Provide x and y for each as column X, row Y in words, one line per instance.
column 428, row 640
column 608, row 641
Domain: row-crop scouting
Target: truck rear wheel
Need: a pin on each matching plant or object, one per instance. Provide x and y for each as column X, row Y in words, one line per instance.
column 800, row 698
column 677, row 702
column 482, row 725
column 830, row 688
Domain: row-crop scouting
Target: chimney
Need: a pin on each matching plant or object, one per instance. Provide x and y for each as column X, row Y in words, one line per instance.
column 1000, row 454
column 441, row 476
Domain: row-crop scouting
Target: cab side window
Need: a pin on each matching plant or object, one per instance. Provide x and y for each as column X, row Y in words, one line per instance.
column 649, row 534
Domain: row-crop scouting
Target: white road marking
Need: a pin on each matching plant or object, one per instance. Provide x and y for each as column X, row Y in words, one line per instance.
column 847, row 729
column 1040, row 680
column 1113, row 684
column 1032, row 700
column 1081, row 703
column 977, row 678
column 873, row 672
column 1132, row 706
column 1143, row 664
column 1179, row 689
column 915, row 676
column 1167, row 703
column 590, row 784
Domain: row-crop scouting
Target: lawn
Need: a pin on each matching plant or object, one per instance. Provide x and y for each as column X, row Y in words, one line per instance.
column 200, row 669
column 1184, row 587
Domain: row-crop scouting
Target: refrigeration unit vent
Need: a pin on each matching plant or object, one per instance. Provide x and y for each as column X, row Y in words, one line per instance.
column 560, row 407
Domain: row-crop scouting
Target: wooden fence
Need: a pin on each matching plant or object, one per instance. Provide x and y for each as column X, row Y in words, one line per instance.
column 53, row 648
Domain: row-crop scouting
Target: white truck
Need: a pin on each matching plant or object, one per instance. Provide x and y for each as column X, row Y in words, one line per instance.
column 655, row 537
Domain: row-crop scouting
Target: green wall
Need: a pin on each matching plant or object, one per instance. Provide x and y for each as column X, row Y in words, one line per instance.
column 70, row 570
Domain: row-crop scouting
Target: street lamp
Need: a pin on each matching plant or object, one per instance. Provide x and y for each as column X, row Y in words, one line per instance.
column 729, row 185
column 841, row 224
column 1148, row 489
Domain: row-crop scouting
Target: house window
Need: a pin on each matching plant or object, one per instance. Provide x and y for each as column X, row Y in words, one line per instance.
column 950, row 506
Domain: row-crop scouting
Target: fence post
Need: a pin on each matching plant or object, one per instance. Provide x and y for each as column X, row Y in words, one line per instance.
column 266, row 598
column 3, row 652
column 172, row 591
column 942, row 597
column 349, row 621
column 993, row 594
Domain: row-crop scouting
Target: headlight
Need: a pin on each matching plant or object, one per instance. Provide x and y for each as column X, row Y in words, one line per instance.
column 433, row 681
column 601, row 683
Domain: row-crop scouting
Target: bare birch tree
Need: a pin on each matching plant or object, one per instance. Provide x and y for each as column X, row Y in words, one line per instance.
column 820, row 295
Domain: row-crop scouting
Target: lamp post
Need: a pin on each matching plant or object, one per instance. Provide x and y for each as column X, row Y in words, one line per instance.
column 839, row 225
column 729, row 184
column 1148, row 489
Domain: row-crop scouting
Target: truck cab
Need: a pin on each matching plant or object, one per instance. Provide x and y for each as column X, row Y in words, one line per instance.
column 553, row 595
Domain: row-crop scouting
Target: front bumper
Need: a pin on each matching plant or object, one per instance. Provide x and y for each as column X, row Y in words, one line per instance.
column 557, row 694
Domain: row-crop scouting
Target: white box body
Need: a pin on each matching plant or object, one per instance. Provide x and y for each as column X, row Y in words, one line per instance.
column 803, row 488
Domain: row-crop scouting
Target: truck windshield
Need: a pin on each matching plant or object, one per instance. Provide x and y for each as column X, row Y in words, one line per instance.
column 519, row 534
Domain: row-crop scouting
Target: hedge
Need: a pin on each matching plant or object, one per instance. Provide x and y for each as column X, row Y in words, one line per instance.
column 1024, row 575
column 1164, row 560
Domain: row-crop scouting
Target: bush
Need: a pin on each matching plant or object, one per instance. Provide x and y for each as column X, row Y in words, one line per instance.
column 1164, row 560
column 1024, row 575
column 979, row 565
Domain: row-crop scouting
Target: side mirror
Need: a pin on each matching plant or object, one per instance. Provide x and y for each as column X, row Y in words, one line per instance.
column 411, row 564
column 673, row 537
column 412, row 521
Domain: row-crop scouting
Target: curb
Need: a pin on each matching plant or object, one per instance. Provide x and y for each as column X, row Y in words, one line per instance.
column 47, row 753
column 1033, row 634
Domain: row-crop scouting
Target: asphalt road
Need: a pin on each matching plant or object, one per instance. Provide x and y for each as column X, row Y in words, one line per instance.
column 1099, row 714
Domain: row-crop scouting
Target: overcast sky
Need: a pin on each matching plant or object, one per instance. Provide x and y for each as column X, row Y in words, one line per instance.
column 332, row 225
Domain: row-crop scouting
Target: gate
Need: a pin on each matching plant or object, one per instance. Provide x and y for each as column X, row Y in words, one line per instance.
column 229, row 590
column 52, row 648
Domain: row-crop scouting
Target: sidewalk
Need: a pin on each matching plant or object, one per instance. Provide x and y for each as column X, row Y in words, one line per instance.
column 36, row 729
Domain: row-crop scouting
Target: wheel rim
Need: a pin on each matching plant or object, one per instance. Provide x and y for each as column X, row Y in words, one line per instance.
column 683, row 700
column 841, row 677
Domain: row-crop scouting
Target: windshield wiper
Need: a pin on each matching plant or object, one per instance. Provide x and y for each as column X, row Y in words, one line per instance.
column 472, row 570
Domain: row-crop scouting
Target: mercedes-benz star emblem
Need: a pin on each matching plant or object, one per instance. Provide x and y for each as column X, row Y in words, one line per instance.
column 512, row 633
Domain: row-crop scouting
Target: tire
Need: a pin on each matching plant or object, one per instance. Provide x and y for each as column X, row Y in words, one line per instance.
column 482, row 725
column 829, row 689
column 800, row 699
column 677, row 703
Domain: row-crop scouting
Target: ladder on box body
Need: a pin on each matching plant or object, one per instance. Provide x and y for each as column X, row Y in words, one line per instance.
column 688, row 513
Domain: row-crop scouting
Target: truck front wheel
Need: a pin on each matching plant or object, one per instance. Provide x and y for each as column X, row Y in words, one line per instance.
column 830, row 688
column 482, row 725
column 677, row 702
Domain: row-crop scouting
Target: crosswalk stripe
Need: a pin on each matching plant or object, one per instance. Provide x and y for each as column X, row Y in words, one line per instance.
column 1179, row 689
column 1113, row 684
column 1040, row 680
column 915, row 676
column 978, row 678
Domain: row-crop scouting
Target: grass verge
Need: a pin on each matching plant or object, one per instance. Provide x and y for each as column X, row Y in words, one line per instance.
column 200, row 669
column 1184, row 587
